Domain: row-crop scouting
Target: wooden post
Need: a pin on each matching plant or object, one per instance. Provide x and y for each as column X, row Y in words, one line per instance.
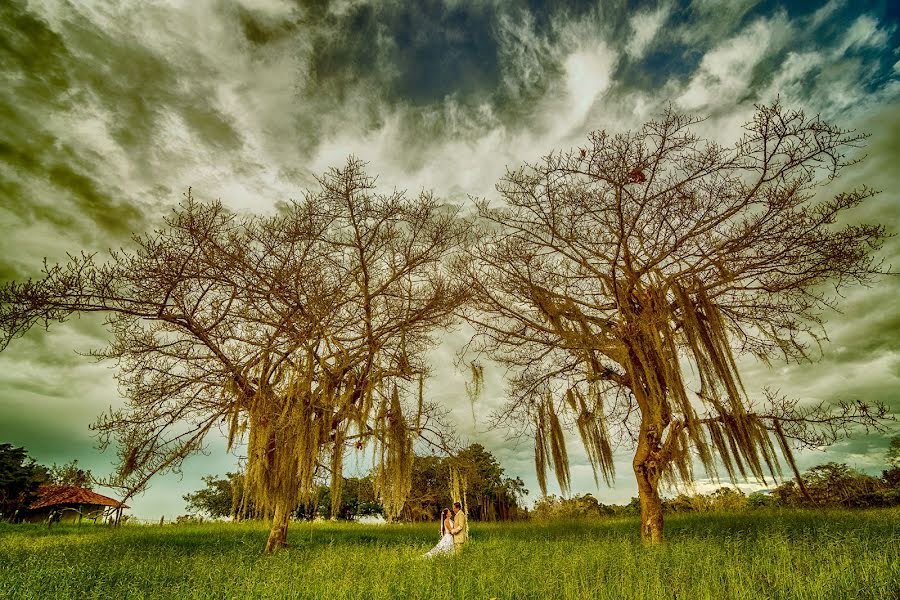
column 162, row 520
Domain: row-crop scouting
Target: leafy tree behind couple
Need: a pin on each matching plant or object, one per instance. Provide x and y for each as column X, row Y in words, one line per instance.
column 489, row 495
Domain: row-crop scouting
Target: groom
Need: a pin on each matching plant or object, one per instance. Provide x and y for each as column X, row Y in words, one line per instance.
column 460, row 529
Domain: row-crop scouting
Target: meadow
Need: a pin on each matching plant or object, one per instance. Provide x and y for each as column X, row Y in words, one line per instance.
column 784, row 554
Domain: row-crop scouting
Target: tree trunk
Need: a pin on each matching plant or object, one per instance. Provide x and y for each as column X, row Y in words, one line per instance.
column 278, row 534
column 647, row 471
column 651, row 504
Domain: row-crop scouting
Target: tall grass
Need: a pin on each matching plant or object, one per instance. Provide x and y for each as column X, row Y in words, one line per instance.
column 835, row 554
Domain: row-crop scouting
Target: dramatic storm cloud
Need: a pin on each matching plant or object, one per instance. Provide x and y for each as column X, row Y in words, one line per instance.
column 110, row 111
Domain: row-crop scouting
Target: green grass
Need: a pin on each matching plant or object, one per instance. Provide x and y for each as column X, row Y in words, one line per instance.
column 835, row 554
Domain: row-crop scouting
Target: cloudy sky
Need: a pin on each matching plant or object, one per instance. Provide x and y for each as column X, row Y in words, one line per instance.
column 110, row 110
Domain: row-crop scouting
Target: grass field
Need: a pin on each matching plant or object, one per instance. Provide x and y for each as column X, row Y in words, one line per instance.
column 838, row 554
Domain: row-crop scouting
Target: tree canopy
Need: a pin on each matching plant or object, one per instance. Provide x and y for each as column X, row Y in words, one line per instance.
column 20, row 477
column 219, row 498
column 70, row 474
column 488, row 493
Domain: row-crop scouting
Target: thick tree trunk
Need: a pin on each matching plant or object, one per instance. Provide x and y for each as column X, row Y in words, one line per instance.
column 647, row 471
column 278, row 534
column 651, row 504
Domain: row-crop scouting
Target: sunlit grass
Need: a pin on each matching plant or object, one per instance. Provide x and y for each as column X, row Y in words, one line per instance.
column 836, row 554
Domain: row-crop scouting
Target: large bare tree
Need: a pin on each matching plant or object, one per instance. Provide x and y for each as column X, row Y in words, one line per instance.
column 302, row 333
column 611, row 268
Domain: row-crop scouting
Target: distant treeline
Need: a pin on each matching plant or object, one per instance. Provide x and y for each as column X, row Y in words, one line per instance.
column 489, row 494
column 831, row 485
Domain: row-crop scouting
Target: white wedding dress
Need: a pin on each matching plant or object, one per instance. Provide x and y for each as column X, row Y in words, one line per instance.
column 445, row 546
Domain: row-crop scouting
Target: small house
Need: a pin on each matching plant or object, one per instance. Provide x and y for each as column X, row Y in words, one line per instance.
column 72, row 504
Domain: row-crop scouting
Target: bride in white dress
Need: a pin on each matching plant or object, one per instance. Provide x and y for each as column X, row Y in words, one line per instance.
column 445, row 546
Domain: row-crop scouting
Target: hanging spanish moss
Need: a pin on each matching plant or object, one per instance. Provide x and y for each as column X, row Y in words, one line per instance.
column 592, row 429
column 297, row 418
column 541, row 450
column 238, row 498
column 742, row 440
column 550, row 446
column 393, row 455
column 459, row 488
column 287, row 433
column 661, row 324
column 474, row 389
column 337, row 469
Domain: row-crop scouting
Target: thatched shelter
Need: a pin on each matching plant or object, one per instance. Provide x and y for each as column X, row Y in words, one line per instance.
column 71, row 504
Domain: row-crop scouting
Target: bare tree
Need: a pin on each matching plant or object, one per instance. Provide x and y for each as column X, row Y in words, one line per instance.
column 611, row 267
column 305, row 331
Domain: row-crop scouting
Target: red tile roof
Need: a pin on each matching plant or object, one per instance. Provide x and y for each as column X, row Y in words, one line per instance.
column 51, row 495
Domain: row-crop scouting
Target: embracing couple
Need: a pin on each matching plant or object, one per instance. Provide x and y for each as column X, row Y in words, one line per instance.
column 454, row 531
